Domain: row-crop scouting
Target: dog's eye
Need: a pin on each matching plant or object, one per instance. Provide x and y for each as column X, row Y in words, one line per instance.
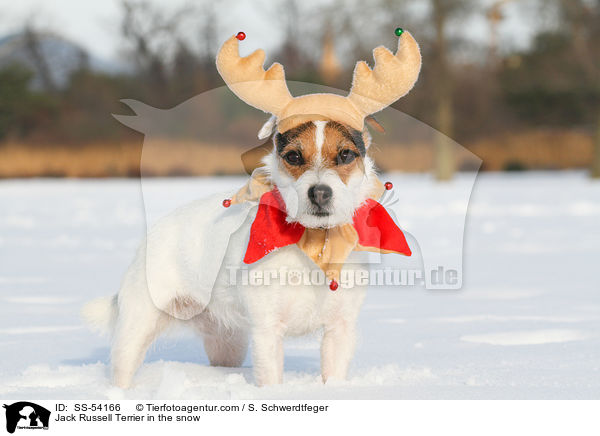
column 346, row 156
column 293, row 158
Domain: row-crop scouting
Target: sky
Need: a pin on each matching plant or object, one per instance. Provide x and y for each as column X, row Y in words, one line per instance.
column 94, row 24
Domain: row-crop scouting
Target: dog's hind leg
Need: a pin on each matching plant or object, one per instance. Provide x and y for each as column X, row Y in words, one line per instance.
column 224, row 346
column 138, row 325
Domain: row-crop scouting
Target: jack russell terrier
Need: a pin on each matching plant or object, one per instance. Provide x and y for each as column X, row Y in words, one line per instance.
column 310, row 207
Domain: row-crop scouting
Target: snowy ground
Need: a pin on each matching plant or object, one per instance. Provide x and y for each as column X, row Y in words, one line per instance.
column 525, row 325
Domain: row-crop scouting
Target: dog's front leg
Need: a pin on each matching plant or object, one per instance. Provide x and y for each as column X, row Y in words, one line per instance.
column 337, row 348
column 268, row 355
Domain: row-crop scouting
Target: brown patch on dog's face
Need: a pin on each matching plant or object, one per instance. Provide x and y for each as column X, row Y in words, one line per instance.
column 297, row 148
column 329, row 145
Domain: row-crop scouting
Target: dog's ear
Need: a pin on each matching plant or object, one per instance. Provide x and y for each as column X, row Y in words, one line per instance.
column 252, row 159
column 267, row 128
column 372, row 122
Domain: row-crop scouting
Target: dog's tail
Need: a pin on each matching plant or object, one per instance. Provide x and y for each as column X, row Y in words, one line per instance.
column 101, row 314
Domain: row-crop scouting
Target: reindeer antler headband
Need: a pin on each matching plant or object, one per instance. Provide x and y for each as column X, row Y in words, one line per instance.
column 392, row 77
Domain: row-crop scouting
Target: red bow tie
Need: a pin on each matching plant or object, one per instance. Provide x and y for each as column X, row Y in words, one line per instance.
column 376, row 230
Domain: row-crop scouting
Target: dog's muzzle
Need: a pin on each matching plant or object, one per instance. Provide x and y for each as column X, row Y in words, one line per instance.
column 320, row 196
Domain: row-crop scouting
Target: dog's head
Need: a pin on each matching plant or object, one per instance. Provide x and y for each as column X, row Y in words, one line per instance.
column 319, row 165
column 322, row 171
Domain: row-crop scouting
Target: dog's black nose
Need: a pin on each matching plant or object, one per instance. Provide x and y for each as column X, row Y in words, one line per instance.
column 320, row 195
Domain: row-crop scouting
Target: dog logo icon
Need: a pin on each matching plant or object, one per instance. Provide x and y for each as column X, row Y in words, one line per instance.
column 26, row 415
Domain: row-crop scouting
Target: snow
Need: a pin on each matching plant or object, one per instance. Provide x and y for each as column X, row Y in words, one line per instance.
column 527, row 337
column 525, row 325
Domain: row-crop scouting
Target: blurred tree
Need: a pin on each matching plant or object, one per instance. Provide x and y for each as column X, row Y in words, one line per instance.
column 32, row 42
column 290, row 53
column 583, row 19
column 186, row 66
column 22, row 109
column 329, row 65
column 87, row 105
column 173, row 51
column 297, row 50
column 442, row 10
column 14, row 95
column 494, row 16
column 207, row 77
column 553, row 83
column 557, row 81
column 141, row 26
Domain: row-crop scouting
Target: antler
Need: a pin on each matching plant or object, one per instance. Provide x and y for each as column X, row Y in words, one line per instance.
column 246, row 77
column 392, row 77
column 372, row 90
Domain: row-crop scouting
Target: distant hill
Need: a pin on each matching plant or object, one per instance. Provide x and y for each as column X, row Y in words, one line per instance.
column 50, row 57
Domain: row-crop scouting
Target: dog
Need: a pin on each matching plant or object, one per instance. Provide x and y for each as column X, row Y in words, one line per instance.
column 321, row 171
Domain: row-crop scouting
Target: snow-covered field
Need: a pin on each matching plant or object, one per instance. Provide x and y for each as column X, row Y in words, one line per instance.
column 525, row 325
